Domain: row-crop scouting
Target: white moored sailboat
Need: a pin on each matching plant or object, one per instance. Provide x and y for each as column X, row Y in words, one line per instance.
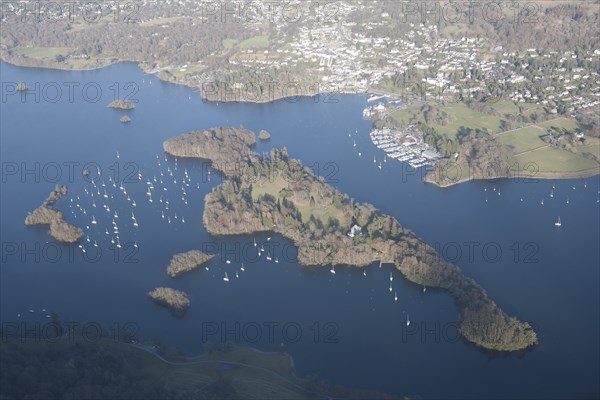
column 558, row 223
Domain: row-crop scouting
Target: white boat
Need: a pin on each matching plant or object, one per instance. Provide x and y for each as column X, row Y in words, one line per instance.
column 407, row 320
column 391, row 277
column 94, row 220
column 558, row 223
column 395, row 296
column 227, row 262
column 365, row 272
column 552, row 194
column 332, row 270
column 242, row 268
column 390, row 287
column 226, row 278
column 380, row 165
column 236, row 274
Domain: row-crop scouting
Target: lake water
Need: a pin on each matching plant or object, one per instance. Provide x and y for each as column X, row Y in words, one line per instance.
column 344, row 328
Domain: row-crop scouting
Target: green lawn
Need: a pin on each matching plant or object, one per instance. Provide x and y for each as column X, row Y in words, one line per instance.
column 523, row 139
column 549, row 159
column 160, row 21
column 43, row 53
column 256, row 42
column 229, row 43
column 563, row 123
column 504, row 107
column 526, row 147
column 461, row 115
column 274, row 186
column 190, row 70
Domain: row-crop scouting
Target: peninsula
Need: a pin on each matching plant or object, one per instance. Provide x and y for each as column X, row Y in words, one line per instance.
column 185, row 262
column 176, row 301
column 276, row 193
column 46, row 214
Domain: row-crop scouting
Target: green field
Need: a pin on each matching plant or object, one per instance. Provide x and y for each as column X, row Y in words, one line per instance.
column 160, row 21
column 42, row 53
column 190, row 70
column 549, row 159
column 229, row 43
column 524, row 139
column 562, row 123
column 256, row 42
column 461, row 115
column 504, row 107
column 526, row 147
column 275, row 185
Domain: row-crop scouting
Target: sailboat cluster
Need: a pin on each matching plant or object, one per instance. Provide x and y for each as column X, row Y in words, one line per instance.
column 105, row 203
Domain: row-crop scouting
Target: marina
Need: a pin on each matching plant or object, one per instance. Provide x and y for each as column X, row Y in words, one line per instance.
column 405, row 146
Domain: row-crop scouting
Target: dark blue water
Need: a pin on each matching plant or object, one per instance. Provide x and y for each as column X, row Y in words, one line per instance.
column 344, row 328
